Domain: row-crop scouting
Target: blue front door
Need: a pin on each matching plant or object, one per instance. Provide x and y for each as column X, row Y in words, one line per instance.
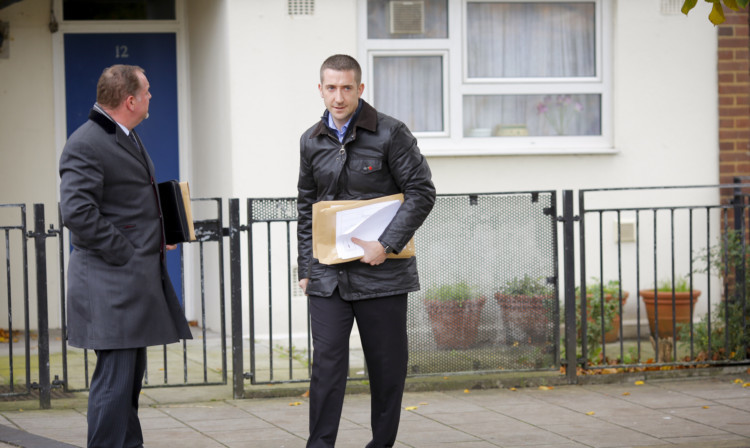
column 86, row 55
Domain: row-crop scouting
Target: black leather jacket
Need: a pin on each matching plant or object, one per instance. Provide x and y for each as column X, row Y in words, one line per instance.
column 379, row 157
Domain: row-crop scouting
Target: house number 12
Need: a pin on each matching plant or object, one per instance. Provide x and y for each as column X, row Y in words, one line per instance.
column 121, row 51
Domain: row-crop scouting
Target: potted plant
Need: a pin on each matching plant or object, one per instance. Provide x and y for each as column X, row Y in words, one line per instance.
column 528, row 306
column 661, row 302
column 724, row 333
column 454, row 310
column 611, row 291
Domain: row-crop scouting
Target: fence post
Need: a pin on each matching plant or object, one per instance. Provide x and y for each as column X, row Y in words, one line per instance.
column 568, row 220
column 40, row 238
column 238, row 385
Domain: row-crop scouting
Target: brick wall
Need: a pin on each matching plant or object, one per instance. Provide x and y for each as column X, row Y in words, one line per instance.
column 734, row 96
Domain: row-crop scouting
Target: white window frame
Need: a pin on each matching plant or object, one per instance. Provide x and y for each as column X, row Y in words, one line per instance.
column 446, row 83
column 451, row 142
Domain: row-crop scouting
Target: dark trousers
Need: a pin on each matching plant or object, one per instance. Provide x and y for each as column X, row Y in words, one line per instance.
column 113, row 399
column 382, row 329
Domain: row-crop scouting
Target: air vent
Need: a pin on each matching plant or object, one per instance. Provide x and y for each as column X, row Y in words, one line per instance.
column 627, row 231
column 407, row 17
column 301, row 7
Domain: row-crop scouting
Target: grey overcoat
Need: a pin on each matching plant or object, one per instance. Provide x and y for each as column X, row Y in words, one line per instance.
column 119, row 292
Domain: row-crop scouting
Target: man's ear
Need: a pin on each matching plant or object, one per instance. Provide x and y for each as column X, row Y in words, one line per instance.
column 361, row 89
column 320, row 89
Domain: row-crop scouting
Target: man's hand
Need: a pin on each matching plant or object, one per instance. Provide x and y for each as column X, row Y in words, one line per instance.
column 171, row 246
column 303, row 285
column 374, row 252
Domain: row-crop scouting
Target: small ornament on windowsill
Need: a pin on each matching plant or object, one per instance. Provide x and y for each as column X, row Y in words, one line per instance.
column 510, row 130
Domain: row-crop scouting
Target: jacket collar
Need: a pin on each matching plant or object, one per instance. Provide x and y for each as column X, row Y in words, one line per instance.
column 110, row 127
column 103, row 120
column 366, row 118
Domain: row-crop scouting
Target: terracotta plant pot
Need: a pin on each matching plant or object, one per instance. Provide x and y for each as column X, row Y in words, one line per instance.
column 613, row 335
column 455, row 324
column 664, row 303
column 526, row 318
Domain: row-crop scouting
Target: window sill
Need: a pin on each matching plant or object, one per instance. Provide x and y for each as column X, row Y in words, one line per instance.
column 512, row 146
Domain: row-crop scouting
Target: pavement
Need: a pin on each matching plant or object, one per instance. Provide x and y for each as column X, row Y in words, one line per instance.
column 619, row 410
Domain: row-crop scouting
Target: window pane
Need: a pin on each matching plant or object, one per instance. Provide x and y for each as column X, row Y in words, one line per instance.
column 118, row 10
column 525, row 40
column 410, row 88
column 385, row 16
column 532, row 115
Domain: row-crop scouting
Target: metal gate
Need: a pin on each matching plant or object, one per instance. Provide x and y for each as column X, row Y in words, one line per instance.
column 680, row 254
column 489, row 297
column 200, row 361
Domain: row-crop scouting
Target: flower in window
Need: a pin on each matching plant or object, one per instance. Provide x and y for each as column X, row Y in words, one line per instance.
column 559, row 111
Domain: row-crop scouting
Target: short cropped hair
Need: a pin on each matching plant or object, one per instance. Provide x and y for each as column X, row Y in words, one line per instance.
column 341, row 63
column 117, row 83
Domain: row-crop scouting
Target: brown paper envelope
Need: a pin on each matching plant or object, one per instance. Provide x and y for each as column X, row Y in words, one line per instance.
column 324, row 229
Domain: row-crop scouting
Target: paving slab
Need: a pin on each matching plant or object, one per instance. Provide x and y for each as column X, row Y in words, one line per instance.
column 675, row 412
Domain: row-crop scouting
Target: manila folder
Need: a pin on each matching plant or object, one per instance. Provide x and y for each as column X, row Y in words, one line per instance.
column 333, row 222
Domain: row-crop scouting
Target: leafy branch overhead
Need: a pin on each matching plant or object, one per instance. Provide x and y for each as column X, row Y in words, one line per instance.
column 717, row 11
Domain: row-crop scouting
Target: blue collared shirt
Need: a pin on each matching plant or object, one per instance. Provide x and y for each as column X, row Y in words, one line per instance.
column 342, row 133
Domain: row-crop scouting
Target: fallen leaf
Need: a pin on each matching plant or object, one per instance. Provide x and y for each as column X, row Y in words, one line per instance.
column 445, row 377
column 737, row 381
column 626, row 393
column 546, row 387
column 424, row 403
column 639, row 383
column 705, row 407
column 609, row 371
column 590, row 413
column 746, row 385
column 411, row 408
column 306, row 394
column 296, row 403
column 467, row 391
column 513, row 389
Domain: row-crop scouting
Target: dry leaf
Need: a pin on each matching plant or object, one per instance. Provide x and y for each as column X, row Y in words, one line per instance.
column 306, row 394
column 639, row 383
column 705, row 407
column 626, row 393
column 424, row 403
column 590, row 413
column 296, row 403
column 546, row 387
column 467, row 391
column 445, row 377
column 746, row 385
column 411, row 408
column 737, row 381
column 513, row 389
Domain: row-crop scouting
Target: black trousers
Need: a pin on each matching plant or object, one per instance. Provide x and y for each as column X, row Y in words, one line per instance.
column 113, row 399
column 382, row 329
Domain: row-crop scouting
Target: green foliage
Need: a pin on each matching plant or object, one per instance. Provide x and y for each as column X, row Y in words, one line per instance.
column 527, row 286
column 595, row 306
column 728, row 326
column 717, row 11
column 681, row 284
column 452, row 292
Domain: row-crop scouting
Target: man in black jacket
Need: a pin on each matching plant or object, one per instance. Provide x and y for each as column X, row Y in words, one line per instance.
column 355, row 153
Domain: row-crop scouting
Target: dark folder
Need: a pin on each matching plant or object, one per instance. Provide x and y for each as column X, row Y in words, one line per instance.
column 176, row 210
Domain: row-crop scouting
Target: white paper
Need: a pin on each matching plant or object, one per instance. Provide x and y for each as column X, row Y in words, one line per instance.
column 366, row 223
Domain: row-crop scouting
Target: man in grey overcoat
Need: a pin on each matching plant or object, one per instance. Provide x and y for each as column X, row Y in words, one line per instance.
column 120, row 299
